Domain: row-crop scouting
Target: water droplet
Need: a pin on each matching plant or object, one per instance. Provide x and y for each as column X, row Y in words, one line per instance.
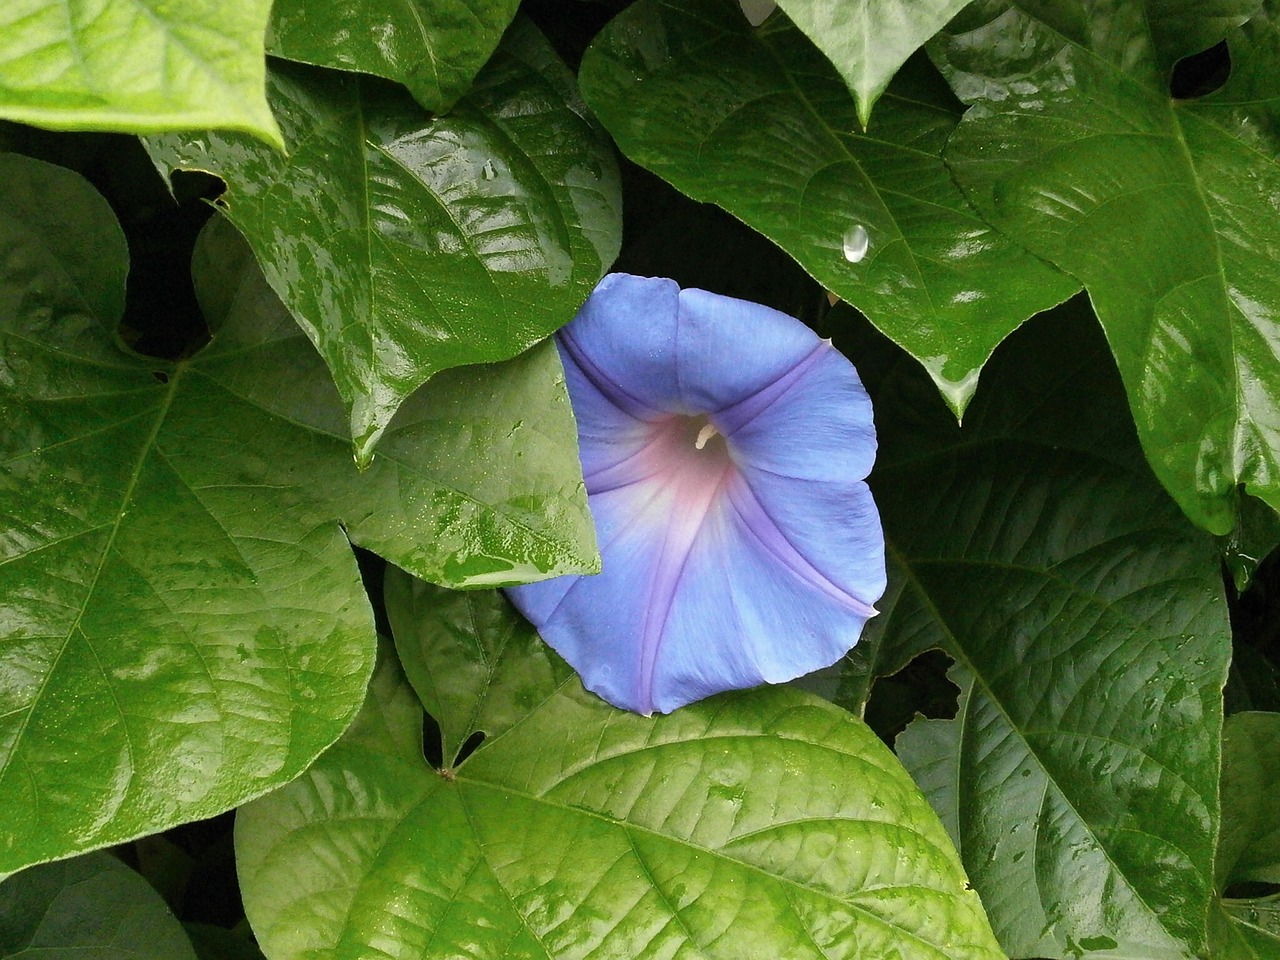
column 856, row 241
column 489, row 171
column 757, row 11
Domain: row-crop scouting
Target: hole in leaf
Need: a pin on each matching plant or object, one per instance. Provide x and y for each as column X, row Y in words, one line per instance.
column 1250, row 890
column 468, row 748
column 432, row 744
column 1201, row 73
column 921, row 687
column 160, row 375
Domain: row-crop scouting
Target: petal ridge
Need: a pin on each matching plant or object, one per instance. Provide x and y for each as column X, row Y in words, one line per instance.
column 753, row 515
column 610, row 390
column 761, row 400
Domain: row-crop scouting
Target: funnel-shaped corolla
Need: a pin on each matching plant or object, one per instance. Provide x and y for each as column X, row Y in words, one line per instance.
column 724, row 448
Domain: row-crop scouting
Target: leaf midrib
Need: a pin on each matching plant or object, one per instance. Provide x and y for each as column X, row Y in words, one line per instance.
column 979, row 680
column 144, row 453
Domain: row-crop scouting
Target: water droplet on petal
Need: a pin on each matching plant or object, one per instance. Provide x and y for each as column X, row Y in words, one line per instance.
column 856, row 242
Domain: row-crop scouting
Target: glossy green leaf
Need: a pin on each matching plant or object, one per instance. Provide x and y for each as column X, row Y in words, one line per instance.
column 1165, row 210
column 1087, row 622
column 868, row 40
column 434, row 47
column 405, row 245
column 89, row 908
column 142, row 66
column 185, row 624
column 758, row 122
column 758, row 825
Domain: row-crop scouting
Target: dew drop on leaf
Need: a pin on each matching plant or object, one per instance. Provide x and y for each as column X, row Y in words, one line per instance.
column 855, row 242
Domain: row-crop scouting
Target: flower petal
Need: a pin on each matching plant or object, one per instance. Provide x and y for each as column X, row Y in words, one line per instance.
column 724, row 447
column 730, row 349
column 623, row 341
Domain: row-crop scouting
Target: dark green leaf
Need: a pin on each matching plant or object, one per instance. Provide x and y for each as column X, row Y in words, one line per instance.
column 1249, row 848
column 1249, row 845
column 434, row 47
column 475, row 667
column 1165, row 210
column 143, row 66
column 405, row 245
column 1089, row 630
column 186, row 626
column 759, row 123
column 868, row 40
column 759, row 825
column 89, row 908
column 1246, row 930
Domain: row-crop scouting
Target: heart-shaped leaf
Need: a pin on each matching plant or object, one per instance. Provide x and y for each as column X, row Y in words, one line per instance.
column 136, row 65
column 405, row 245
column 92, row 907
column 185, row 624
column 433, row 47
column 1088, row 626
column 757, row 122
column 868, row 40
column 766, row 824
column 1164, row 209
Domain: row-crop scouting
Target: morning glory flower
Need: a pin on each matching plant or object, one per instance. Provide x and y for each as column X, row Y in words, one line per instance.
column 724, row 448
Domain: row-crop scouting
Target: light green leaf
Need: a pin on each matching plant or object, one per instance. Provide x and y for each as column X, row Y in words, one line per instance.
column 89, row 908
column 868, row 40
column 1165, row 210
column 757, row 122
column 1089, row 631
column 434, row 47
column 405, row 245
column 142, row 66
column 759, row 825
column 186, row 626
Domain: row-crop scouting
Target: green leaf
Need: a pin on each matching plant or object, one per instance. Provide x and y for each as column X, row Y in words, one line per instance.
column 1249, row 845
column 405, row 245
column 92, row 907
column 868, row 40
column 759, row 825
column 1246, row 930
column 1089, row 631
column 757, row 122
column 186, row 624
column 1164, row 209
column 474, row 666
column 141, row 66
column 434, row 47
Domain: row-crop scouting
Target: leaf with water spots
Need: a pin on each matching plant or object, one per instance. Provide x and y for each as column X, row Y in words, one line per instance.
column 758, row 122
column 185, row 624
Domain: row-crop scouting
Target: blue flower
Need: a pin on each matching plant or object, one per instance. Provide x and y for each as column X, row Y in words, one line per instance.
column 724, row 448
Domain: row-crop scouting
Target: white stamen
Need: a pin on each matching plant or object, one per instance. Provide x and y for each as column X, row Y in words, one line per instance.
column 706, row 433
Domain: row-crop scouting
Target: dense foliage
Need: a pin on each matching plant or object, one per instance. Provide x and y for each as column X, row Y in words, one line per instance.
column 279, row 412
